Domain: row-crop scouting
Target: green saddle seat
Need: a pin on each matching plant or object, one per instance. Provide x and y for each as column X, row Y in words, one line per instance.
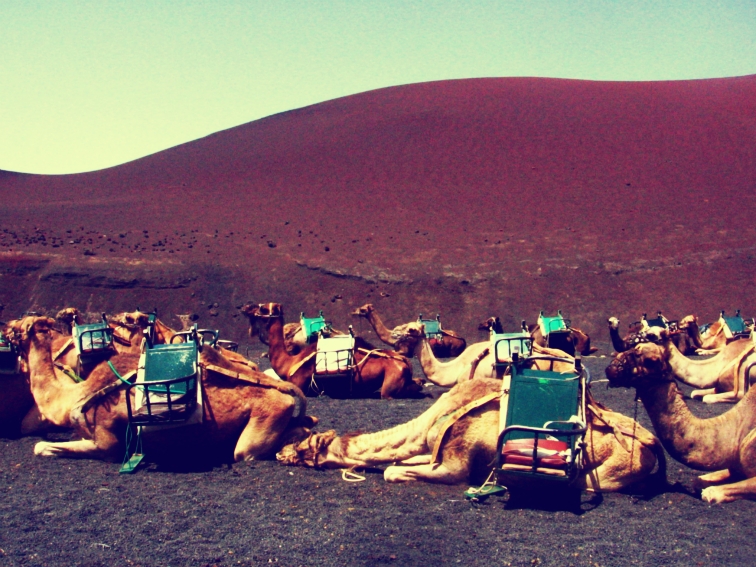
column 432, row 327
column 171, row 362
column 552, row 324
column 735, row 324
column 92, row 339
column 311, row 326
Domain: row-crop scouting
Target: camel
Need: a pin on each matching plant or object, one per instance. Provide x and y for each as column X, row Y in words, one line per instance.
column 721, row 378
column 477, row 361
column 374, row 370
column 249, row 415
column 618, row 451
column 711, row 341
column 579, row 339
column 450, row 345
column 639, row 334
column 724, row 444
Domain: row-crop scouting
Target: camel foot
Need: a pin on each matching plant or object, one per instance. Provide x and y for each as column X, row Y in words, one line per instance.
column 696, row 394
column 715, row 495
column 45, row 449
column 729, row 398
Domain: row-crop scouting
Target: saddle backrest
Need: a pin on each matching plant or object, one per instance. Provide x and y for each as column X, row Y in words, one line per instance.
column 311, row 326
column 505, row 344
column 335, row 354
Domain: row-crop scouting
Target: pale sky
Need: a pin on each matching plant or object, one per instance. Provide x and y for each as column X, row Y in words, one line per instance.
column 86, row 85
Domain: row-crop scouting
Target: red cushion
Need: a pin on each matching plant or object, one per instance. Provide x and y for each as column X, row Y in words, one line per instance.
column 520, row 452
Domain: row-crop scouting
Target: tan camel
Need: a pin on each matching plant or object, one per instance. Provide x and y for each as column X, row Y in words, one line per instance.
column 477, row 361
column 714, row 339
column 721, row 378
column 724, row 444
column 450, row 345
column 618, row 451
column 246, row 416
column 374, row 370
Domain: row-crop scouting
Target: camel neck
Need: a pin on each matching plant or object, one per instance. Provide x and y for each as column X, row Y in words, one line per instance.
column 702, row 444
column 380, row 329
column 46, row 387
column 424, row 354
column 694, row 333
column 280, row 359
column 618, row 343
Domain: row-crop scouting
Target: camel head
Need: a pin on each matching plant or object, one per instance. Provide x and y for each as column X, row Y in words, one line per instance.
column 642, row 365
column 407, row 336
column 21, row 331
column 363, row 311
column 260, row 313
column 492, row 324
column 132, row 320
column 307, row 453
column 613, row 323
column 67, row 316
column 688, row 322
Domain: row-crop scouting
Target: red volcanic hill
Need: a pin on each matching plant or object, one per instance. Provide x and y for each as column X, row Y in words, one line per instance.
column 468, row 197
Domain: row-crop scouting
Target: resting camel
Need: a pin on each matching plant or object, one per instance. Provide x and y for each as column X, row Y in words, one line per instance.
column 375, row 370
column 578, row 338
column 638, row 334
column 450, row 345
column 721, row 378
column 711, row 341
column 247, row 416
column 618, row 451
column 725, row 444
column 476, row 362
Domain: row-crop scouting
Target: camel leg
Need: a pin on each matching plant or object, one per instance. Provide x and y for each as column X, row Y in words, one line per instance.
column 416, row 460
column 68, row 449
column 34, row 422
column 730, row 492
column 730, row 397
column 261, row 435
column 710, row 479
column 701, row 393
column 439, row 473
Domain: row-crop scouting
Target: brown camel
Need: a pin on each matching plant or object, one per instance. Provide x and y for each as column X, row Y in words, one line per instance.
column 618, row 451
column 246, row 416
column 640, row 333
column 374, row 370
column 579, row 340
column 724, row 444
column 450, row 345
column 476, row 362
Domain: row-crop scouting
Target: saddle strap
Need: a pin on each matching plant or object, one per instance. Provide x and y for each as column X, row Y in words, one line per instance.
column 454, row 417
column 299, row 364
column 69, row 343
column 68, row 371
column 78, row 412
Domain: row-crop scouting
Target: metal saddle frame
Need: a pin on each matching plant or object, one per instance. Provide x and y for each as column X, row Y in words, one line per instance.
column 334, row 365
column 92, row 341
column 557, row 331
column 168, row 380
column 506, row 345
column 735, row 327
column 10, row 361
column 432, row 327
column 312, row 326
column 542, row 425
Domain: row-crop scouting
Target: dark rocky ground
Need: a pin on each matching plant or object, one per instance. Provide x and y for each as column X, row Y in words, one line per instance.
column 59, row 512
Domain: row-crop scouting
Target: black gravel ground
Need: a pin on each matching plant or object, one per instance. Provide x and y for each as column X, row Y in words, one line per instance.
column 61, row 512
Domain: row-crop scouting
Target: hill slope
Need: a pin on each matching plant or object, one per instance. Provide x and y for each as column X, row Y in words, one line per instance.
column 468, row 197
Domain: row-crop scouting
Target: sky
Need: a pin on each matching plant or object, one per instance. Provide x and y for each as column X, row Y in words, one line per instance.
column 86, row 85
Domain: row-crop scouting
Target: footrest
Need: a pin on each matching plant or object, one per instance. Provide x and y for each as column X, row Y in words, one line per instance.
column 129, row 467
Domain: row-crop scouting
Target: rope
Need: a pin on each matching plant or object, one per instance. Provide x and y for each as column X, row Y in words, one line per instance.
column 483, row 489
column 349, row 475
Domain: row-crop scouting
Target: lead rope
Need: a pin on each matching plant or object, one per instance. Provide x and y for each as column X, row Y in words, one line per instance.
column 350, row 475
column 635, row 425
